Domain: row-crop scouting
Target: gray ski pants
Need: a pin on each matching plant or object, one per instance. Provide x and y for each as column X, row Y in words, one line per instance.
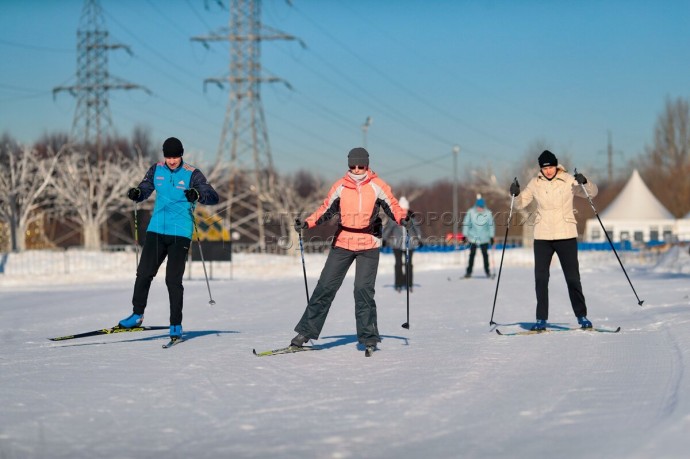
column 336, row 267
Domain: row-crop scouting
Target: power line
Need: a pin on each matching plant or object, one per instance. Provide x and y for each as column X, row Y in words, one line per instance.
column 35, row 47
column 402, row 87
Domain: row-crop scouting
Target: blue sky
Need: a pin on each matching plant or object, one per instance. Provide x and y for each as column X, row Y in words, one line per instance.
column 493, row 77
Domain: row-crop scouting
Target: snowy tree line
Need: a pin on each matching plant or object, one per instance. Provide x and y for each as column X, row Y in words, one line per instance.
column 79, row 188
column 71, row 184
column 57, row 180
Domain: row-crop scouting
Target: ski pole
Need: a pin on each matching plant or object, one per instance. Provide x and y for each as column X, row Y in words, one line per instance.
column 500, row 267
column 639, row 301
column 406, row 236
column 136, row 232
column 201, row 253
column 304, row 268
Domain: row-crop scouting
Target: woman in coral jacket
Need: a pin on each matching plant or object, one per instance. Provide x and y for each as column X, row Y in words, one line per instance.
column 356, row 200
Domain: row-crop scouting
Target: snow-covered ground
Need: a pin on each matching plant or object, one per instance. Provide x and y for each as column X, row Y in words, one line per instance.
column 449, row 387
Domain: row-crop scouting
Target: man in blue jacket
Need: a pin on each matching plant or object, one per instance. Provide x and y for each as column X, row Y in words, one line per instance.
column 479, row 230
column 178, row 186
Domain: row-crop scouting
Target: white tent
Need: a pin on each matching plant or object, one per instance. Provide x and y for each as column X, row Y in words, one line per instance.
column 683, row 228
column 636, row 214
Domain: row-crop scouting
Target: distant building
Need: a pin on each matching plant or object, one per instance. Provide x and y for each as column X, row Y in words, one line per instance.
column 635, row 215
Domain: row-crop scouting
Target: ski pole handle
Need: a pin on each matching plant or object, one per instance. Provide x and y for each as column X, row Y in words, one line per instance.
column 589, row 198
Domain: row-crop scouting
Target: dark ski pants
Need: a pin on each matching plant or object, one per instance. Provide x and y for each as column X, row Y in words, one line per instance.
column 400, row 275
column 336, row 267
column 156, row 248
column 473, row 250
column 567, row 254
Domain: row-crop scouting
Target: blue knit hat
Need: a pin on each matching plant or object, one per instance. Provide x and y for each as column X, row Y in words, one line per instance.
column 480, row 201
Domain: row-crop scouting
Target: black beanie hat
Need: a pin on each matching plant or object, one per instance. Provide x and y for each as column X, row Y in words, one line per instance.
column 358, row 157
column 547, row 159
column 172, row 148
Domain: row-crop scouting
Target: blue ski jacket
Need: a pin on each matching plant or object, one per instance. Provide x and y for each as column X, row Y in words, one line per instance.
column 478, row 227
column 172, row 213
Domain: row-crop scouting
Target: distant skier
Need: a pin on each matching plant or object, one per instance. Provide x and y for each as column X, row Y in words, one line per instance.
column 555, row 230
column 178, row 186
column 479, row 230
column 356, row 200
column 393, row 237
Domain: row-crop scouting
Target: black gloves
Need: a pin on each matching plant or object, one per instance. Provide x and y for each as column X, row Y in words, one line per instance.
column 134, row 194
column 464, row 240
column 191, row 194
column 491, row 241
column 515, row 188
column 407, row 222
column 300, row 225
column 581, row 179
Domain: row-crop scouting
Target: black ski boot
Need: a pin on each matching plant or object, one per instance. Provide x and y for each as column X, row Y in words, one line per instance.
column 299, row 340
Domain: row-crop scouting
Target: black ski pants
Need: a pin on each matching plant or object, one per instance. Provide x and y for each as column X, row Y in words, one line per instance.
column 485, row 253
column 567, row 254
column 156, row 248
column 400, row 275
column 337, row 264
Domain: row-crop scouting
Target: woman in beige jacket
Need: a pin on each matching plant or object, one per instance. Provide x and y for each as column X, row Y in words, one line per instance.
column 555, row 230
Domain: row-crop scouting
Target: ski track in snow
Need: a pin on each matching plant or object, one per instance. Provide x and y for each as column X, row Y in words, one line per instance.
column 449, row 387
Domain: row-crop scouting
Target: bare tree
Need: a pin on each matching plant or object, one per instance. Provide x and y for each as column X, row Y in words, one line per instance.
column 51, row 142
column 88, row 191
column 295, row 194
column 24, row 178
column 666, row 168
column 142, row 143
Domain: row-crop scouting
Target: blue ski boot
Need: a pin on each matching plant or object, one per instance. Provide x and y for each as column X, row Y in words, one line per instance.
column 132, row 321
column 584, row 322
column 175, row 331
column 540, row 325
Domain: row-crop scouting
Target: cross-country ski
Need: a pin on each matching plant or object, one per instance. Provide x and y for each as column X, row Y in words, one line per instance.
column 284, row 350
column 556, row 330
column 108, row 331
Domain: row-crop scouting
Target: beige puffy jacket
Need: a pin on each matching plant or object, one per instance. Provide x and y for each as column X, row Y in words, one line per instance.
column 555, row 217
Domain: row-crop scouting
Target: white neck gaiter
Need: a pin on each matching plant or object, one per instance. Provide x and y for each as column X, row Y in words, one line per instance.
column 357, row 178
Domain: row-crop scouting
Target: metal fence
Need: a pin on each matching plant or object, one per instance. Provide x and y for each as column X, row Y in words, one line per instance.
column 120, row 261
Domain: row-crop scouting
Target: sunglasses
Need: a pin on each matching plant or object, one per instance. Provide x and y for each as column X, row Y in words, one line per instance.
column 358, row 167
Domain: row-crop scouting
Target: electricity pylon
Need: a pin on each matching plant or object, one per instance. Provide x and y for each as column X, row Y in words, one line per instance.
column 244, row 137
column 92, row 123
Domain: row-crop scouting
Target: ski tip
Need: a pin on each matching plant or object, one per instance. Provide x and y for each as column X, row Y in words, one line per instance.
column 255, row 353
column 617, row 330
column 499, row 331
